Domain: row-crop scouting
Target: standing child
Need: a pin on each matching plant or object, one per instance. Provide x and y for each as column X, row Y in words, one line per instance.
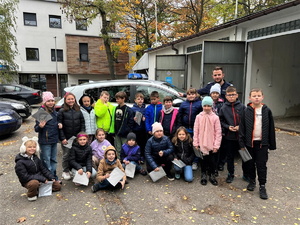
column 183, row 150
column 48, row 134
column 72, row 122
column 123, row 121
column 188, row 111
column 30, row 170
column 105, row 168
column 207, row 137
column 257, row 134
column 168, row 117
column 88, row 113
column 81, row 156
column 152, row 111
column 98, row 147
column 230, row 115
column 130, row 153
column 159, row 151
column 140, row 130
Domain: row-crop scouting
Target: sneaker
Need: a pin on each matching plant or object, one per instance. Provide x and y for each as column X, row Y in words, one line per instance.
column 170, row 177
column 66, row 175
column 94, row 188
column 229, row 178
column 213, row 180
column 31, row 199
column 263, row 192
column 143, row 172
column 203, row 180
column 177, row 176
column 251, row 185
column 216, row 173
column 194, row 166
column 221, row 167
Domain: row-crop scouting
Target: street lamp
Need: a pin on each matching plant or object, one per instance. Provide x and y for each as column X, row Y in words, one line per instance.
column 57, row 87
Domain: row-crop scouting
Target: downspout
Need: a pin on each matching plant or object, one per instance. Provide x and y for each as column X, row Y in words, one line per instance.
column 175, row 49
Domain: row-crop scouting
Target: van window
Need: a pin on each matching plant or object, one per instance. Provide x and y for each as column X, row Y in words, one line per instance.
column 95, row 92
column 146, row 91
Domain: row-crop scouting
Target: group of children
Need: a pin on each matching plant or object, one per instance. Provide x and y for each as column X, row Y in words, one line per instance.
column 206, row 132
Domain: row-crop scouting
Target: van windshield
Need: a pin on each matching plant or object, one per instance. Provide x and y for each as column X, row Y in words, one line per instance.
column 174, row 87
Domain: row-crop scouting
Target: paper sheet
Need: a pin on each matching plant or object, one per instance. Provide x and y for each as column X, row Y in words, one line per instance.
column 138, row 117
column 115, row 176
column 245, row 155
column 70, row 142
column 41, row 115
column 130, row 170
column 198, row 153
column 179, row 163
column 156, row 175
column 81, row 179
column 45, row 189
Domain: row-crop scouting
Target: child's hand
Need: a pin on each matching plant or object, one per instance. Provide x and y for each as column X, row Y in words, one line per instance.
column 107, row 175
column 134, row 118
column 126, row 162
column 143, row 118
column 42, row 124
column 46, row 181
column 64, row 142
column 215, row 150
column 60, row 126
column 231, row 128
column 237, row 128
column 196, row 147
column 149, row 132
column 160, row 153
column 88, row 174
column 123, row 183
column 156, row 169
column 80, row 171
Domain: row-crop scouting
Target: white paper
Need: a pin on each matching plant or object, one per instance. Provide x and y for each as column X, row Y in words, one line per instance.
column 115, row 176
column 70, row 142
column 45, row 189
column 42, row 115
column 156, row 175
column 81, row 179
column 138, row 117
column 130, row 170
column 179, row 163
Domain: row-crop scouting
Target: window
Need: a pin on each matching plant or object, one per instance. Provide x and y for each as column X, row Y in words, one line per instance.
column 146, row 91
column 112, row 90
column 32, row 54
column 54, row 21
column 10, row 88
column 60, row 55
column 83, row 52
column 29, row 19
column 81, row 24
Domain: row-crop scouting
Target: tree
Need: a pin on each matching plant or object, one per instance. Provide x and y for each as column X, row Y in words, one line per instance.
column 8, row 48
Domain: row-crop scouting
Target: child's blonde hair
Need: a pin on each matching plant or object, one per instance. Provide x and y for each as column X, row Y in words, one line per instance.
column 27, row 141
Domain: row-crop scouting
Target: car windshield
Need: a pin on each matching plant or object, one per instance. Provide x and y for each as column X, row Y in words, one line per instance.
column 26, row 87
column 174, row 87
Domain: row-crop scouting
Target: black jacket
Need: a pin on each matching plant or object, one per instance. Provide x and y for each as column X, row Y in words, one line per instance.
column 80, row 156
column 247, row 128
column 72, row 121
column 126, row 123
column 28, row 169
column 184, row 151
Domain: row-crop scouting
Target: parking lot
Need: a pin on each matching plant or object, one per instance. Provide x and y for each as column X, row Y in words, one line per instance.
column 164, row 202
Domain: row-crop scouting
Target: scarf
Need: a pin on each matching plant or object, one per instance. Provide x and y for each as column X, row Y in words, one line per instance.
column 110, row 162
column 169, row 110
column 88, row 109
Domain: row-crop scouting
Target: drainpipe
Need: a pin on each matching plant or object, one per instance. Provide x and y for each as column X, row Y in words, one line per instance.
column 175, row 49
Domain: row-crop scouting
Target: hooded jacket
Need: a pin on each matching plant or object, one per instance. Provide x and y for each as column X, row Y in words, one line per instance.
column 105, row 115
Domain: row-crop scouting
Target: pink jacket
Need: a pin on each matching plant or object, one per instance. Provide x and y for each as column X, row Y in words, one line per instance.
column 207, row 132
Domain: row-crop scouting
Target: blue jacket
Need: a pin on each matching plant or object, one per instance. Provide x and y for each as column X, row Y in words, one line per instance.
column 155, row 145
column 188, row 111
column 130, row 153
column 206, row 90
column 151, row 114
column 49, row 133
column 142, row 126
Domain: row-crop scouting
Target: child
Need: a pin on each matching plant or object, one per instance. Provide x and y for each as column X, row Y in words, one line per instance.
column 230, row 115
column 257, row 134
column 207, row 137
column 130, row 153
column 187, row 113
column 158, row 151
column 48, row 134
column 183, row 150
column 105, row 113
column 140, row 130
column 123, row 121
column 152, row 111
column 30, row 170
column 99, row 146
column 88, row 113
column 168, row 117
column 72, row 122
column 106, row 166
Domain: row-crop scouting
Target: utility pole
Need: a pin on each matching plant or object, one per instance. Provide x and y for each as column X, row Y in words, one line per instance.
column 57, row 86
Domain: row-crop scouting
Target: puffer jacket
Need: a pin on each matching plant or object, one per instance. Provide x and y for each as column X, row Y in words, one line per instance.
column 151, row 115
column 105, row 115
column 184, row 150
column 247, row 127
column 50, row 132
column 90, row 120
column 154, row 146
column 72, row 121
column 188, row 111
column 31, row 168
column 81, row 156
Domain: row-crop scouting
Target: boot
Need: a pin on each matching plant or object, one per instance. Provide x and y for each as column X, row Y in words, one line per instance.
column 203, row 180
column 263, row 192
column 230, row 178
column 213, row 180
column 251, row 185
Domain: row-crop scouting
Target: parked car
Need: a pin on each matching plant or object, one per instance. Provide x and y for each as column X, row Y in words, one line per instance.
column 130, row 87
column 22, row 108
column 21, row 93
column 10, row 121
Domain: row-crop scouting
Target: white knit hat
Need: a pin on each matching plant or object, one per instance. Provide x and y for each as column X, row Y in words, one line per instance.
column 23, row 147
column 215, row 88
column 156, row 127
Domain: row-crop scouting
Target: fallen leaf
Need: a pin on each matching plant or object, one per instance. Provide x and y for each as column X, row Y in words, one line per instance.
column 155, row 210
column 86, row 221
column 194, row 209
column 21, row 219
column 31, row 215
column 74, row 215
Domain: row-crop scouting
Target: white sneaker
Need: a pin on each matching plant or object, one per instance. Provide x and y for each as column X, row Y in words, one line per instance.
column 66, row 175
column 31, row 199
column 194, row 166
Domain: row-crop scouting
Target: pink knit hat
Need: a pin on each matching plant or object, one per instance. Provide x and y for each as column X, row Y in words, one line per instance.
column 156, row 127
column 47, row 95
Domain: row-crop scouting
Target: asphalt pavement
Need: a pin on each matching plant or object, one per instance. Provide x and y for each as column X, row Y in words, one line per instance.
column 164, row 202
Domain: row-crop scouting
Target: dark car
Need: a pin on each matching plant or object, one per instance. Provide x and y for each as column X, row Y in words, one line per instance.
column 21, row 93
column 10, row 121
column 22, row 108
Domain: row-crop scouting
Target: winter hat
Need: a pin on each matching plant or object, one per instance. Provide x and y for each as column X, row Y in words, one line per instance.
column 207, row 100
column 47, row 95
column 23, row 147
column 85, row 95
column 215, row 88
column 131, row 136
column 110, row 148
column 156, row 127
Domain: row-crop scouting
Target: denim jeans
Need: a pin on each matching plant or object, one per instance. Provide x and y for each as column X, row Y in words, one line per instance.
column 48, row 157
column 106, row 185
column 137, row 168
column 187, row 171
column 94, row 172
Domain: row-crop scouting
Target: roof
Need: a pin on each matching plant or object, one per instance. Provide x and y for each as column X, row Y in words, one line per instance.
column 231, row 23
